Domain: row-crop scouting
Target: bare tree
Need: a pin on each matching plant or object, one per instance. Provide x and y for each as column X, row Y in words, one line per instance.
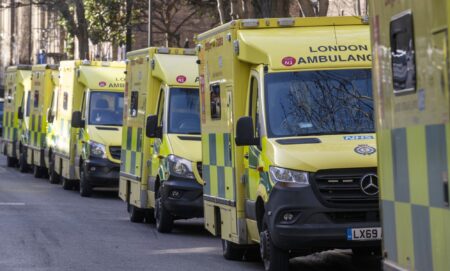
column 313, row 8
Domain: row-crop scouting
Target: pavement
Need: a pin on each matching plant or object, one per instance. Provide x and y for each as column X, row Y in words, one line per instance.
column 43, row 227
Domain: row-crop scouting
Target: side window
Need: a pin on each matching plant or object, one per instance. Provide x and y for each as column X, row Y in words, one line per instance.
column 215, row 102
column 27, row 107
column 161, row 107
column 65, row 100
column 83, row 106
column 254, row 104
column 134, row 104
column 36, row 99
column 403, row 53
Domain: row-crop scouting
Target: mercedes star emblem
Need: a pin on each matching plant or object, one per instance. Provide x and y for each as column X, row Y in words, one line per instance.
column 369, row 184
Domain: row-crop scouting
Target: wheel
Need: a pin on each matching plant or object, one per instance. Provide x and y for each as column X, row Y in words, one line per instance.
column 150, row 216
column 37, row 172
column 164, row 220
column 274, row 259
column 11, row 161
column 23, row 167
column 67, row 184
column 231, row 251
column 52, row 175
column 364, row 252
column 85, row 186
column 136, row 214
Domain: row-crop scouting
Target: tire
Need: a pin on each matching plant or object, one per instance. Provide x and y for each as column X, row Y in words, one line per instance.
column 136, row 214
column 150, row 216
column 163, row 219
column 85, row 186
column 52, row 175
column 67, row 184
column 11, row 161
column 232, row 251
column 23, row 167
column 365, row 252
column 37, row 172
column 274, row 259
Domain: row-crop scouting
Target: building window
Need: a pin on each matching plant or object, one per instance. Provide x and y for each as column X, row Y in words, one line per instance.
column 134, row 104
column 215, row 102
column 403, row 53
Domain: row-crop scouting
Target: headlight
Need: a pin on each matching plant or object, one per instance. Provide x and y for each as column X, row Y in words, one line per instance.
column 97, row 150
column 287, row 175
column 180, row 167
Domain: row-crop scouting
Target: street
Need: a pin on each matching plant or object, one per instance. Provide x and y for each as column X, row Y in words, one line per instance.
column 43, row 227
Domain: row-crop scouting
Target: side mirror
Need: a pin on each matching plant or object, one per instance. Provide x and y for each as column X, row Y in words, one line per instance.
column 77, row 122
column 244, row 132
column 151, row 128
column 20, row 113
column 50, row 116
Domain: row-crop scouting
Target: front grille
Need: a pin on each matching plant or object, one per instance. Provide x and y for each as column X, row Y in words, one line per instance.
column 342, row 188
column 199, row 168
column 115, row 152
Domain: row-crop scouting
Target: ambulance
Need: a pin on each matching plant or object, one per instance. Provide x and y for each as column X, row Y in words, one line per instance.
column 17, row 85
column 40, row 96
column 289, row 151
column 412, row 97
column 87, row 124
column 161, row 154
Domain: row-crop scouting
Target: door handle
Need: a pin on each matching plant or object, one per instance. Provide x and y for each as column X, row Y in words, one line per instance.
column 246, row 155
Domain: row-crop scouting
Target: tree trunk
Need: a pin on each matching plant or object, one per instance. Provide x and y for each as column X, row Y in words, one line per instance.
column 307, row 8
column 128, row 18
column 224, row 13
column 82, row 30
column 323, row 7
column 279, row 8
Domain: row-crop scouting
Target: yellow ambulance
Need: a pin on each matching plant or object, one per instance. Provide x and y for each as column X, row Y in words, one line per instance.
column 289, row 154
column 161, row 153
column 412, row 94
column 87, row 124
column 17, row 84
column 40, row 96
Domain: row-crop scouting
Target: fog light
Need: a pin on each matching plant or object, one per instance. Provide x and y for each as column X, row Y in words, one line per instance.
column 175, row 194
column 287, row 217
column 93, row 168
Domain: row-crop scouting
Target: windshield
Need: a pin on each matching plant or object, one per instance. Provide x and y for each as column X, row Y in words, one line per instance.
column 106, row 108
column 319, row 103
column 184, row 111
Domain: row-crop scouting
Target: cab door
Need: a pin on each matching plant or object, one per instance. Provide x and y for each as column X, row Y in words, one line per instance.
column 157, row 143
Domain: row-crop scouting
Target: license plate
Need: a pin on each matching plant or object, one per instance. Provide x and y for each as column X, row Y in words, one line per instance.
column 363, row 234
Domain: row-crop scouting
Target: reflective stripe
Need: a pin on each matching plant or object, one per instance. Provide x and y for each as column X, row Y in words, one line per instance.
column 389, row 234
column 437, row 164
column 422, row 237
column 400, row 159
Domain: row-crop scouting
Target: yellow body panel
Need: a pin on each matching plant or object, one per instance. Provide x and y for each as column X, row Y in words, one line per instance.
column 77, row 81
column 17, row 84
column 42, row 87
column 151, row 73
column 229, row 56
column 411, row 89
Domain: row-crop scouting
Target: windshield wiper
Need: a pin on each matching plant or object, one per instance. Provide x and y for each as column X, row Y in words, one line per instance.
column 334, row 133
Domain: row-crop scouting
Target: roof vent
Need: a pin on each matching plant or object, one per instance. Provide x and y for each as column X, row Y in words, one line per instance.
column 163, row 50
column 286, row 21
column 250, row 23
column 190, row 52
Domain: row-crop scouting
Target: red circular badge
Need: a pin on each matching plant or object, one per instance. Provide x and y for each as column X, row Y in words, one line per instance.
column 288, row 61
column 102, row 84
column 181, row 79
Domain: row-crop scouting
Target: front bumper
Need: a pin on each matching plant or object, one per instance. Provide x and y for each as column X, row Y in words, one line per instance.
column 314, row 226
column 189, row 201
column 102, row 172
